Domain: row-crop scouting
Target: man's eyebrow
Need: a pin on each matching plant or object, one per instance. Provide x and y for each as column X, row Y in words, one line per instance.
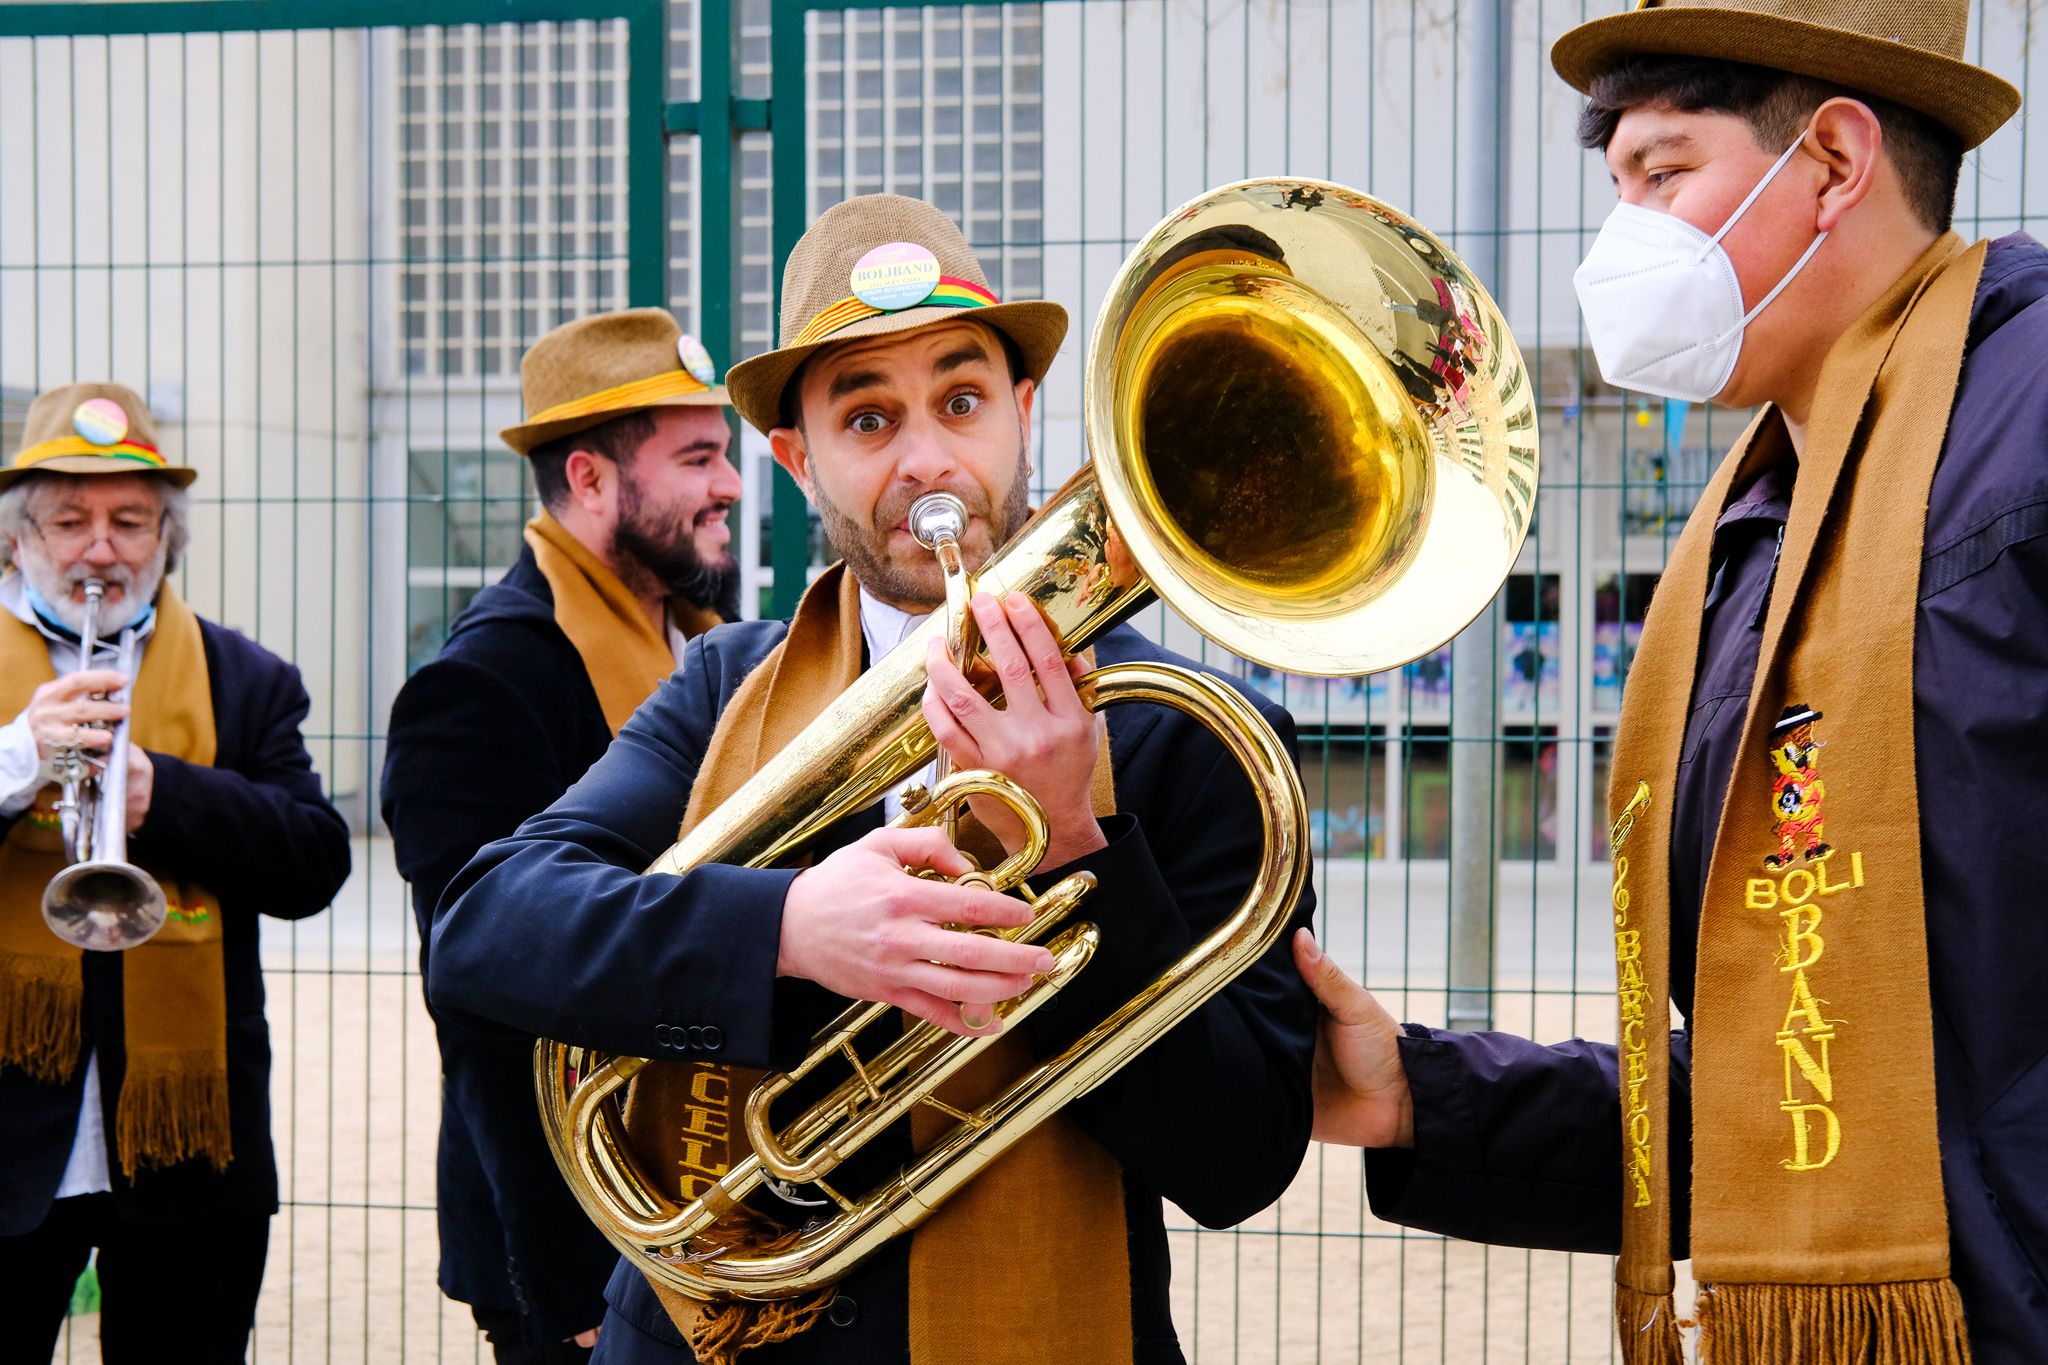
column 966, row 353
column 1661, row 142
column 850, row 382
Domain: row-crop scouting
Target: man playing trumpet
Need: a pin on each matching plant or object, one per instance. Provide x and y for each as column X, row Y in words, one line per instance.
column 900, row 374
column 135, row 1086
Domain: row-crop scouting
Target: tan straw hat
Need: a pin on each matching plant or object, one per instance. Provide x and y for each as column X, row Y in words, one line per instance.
column 596, row 368
column 91, row 429
column 1906, row 51
column 874, row 266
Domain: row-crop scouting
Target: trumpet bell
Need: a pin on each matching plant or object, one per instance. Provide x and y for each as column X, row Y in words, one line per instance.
column 1312, row 427
column 105, row 906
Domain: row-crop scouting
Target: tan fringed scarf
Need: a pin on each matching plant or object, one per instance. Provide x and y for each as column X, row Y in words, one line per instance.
column 625, row 656
column 174, row 1098
column 1026, row 1266
column 1818, row 1227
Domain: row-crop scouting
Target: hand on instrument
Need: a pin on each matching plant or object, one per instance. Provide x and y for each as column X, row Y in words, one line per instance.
column 63, row 713
column 861, row 926
column 1361, row 1090
column 141, row 779
column 1042, row 738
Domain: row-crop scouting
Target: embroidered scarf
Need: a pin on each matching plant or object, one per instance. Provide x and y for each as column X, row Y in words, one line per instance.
column 625, row 656
column 1029, row 1264
column 1818, row 1229
column 173, row 1103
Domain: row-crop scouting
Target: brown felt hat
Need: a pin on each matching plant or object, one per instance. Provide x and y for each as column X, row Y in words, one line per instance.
column 91, row 429
column 914, row 268
column 1907, row 51
column 594, row 369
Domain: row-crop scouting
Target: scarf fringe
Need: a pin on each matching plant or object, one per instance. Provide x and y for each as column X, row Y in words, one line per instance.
column 40, row 999
column 1647, row 1325
column 172, row 1108
column 1912, row 1322
column 717, row 1332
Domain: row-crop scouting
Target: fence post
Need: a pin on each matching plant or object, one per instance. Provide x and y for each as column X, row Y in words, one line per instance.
column 1475, row 654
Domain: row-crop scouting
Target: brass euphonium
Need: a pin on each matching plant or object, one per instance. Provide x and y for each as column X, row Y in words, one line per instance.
column 101, row 900
column 1313, row 437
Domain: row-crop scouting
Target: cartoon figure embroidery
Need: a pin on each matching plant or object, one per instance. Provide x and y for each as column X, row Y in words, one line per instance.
column 1797, row 792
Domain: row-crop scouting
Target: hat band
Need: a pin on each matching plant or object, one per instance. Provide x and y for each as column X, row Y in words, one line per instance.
column 951, row 293
column 638, row 393
column 58, row 447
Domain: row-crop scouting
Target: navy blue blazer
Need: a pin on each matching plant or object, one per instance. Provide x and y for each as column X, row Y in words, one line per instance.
column 492, row 731
column 1520, row 1144
column 553, row 931
column 256, row 830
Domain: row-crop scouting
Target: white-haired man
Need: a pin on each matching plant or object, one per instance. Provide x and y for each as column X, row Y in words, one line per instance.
column 135, row 1086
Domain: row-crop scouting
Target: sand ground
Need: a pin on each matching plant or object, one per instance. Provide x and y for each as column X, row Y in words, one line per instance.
column 352, row 1256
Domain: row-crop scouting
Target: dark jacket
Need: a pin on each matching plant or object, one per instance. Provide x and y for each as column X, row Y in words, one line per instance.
column 1520, row 1144
column 553, row 931
column 256, row 831
column 492, row 731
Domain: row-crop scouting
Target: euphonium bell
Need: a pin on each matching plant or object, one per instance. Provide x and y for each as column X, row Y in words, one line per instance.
column 1313, row 437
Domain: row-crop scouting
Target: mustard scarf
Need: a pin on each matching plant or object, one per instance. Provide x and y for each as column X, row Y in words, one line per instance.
column 174, row 1097
column 625, row 656
column 1819, row 1233
column 1029, row 1264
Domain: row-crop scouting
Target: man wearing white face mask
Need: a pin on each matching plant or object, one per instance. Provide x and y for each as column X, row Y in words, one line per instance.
column 1831, row 770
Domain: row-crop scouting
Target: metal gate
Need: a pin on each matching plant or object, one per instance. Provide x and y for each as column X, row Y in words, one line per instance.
column 318, row 235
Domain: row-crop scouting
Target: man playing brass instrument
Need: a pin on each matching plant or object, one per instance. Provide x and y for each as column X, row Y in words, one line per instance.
column 901, row 374
column 626, row 431
column 135, row 1086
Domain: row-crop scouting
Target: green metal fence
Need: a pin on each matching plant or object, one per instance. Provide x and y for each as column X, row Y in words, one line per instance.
column 318, row 233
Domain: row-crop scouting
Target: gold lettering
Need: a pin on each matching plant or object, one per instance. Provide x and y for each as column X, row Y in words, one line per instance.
column 1821, row 882
column 1761, row 894
column 1804, row 1006
column 1628, row 944
column 1802, row 1138
column 1638, row 1066
column 702, row 1083
column 1818, row 1074
column 1632, row 1003
column 1798, row 897
column 1639, row 1128
column 1856, row 868
column 1632, row 1033
column 697, row 1156
column 695, row 1185
column 1798, row 957
column 1632, row 973
column 703, row 1121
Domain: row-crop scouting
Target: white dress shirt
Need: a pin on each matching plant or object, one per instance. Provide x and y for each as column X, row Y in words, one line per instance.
column 884, row 627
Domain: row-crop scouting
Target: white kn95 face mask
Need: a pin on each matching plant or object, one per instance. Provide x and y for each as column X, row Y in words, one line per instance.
column 1662, row 304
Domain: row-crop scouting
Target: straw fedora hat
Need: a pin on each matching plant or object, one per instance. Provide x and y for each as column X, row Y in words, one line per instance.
column 604, row 366
column 874, row 266
column 91, row 429
column 1906, row 51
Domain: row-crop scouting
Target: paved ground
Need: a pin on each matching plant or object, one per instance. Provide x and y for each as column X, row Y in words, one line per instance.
column 351, row 1274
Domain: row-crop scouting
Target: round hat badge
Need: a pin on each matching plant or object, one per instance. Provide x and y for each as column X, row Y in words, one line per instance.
column 896, row 276
column 696, row 359
column 101, row 421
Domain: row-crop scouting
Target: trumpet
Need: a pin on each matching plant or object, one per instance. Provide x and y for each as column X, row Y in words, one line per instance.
column 1313, row 438
column 101, row 901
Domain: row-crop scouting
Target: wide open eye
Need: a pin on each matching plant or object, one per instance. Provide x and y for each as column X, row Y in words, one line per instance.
column 963, row 404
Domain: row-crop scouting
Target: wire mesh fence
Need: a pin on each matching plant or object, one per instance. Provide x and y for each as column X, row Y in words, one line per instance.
column 319, row 250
